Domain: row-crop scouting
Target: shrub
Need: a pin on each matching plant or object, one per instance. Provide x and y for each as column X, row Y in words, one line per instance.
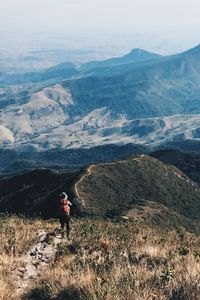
column 183, row 251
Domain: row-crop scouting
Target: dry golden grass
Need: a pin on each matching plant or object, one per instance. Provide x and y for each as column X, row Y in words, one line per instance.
column 105, row 260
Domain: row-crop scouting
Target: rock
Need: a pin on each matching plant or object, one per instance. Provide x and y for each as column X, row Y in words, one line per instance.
column 46, row 261
column 43, row 246
column 124, row 218
column 42, row 238
column 40, row 255
column 30, row 272
column 22, row 270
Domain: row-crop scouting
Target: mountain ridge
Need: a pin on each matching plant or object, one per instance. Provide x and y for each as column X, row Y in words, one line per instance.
column 134, row 56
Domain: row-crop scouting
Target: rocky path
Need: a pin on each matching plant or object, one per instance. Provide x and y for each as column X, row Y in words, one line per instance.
column 38, row 257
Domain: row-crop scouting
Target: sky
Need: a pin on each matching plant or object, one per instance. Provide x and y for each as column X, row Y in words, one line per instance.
column 111, row 15
column 178, row 18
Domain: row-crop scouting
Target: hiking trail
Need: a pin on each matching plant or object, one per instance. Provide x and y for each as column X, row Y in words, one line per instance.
column 41, row 254
column 78, row 182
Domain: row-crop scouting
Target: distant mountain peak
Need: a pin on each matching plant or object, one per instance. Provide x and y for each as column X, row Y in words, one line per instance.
column 139, row 50
column 141, row 53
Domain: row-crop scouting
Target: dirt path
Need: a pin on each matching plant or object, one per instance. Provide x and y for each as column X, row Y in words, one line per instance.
column 38, row 257
column 89, row 172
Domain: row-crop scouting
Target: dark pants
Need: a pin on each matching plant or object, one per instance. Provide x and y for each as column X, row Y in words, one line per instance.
column 65, row 220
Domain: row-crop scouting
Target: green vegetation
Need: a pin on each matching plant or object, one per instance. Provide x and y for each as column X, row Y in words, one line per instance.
column 188, row 162
column 117, row 188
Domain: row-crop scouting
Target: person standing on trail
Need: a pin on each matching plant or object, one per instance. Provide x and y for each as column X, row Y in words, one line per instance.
column 64, row 214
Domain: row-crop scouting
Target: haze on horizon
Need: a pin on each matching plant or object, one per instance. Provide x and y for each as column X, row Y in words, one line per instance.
column 174, row 21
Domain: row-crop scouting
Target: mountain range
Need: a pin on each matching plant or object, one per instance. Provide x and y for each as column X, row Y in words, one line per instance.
column 141, row 98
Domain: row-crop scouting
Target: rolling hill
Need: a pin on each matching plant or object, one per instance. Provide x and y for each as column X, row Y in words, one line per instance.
column 140, row 187
column 34, row 193
column 123, row 184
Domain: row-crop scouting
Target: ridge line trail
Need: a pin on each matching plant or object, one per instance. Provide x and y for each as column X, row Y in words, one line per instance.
column 89, row 173
column 80, row 180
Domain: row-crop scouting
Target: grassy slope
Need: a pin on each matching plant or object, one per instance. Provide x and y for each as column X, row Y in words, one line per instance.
column 122, row 185
column 188, row 162
column 34, row 193
column 104, row 260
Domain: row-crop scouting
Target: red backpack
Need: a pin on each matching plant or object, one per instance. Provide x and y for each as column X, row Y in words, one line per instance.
column 65, row 206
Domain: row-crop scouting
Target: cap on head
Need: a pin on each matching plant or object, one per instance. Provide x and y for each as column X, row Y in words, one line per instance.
column 64, row 195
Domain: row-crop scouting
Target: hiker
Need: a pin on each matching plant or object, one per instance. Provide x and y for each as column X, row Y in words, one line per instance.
column 64, row 214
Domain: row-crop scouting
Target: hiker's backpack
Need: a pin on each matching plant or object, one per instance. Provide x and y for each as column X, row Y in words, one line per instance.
column 65, row 206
